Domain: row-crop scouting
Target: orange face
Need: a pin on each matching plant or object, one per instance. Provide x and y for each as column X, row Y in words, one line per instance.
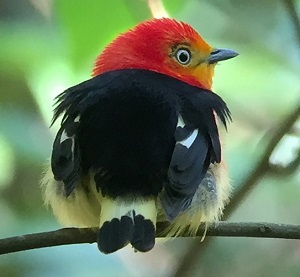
column 190, row 60
column 165, row 46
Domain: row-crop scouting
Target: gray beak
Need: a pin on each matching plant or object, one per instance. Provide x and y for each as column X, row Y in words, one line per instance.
column 221, row 55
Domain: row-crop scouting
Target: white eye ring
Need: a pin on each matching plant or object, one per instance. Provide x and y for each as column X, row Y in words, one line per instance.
column 183, row 56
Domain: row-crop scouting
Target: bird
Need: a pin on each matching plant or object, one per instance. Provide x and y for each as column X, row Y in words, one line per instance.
column 139, row 141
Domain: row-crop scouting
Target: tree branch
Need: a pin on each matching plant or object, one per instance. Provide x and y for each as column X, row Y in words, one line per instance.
column 157, row 8
column 292, row 10
column 69, row 236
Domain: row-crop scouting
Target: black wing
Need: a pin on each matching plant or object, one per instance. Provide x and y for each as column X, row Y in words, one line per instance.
column 65, row 161
column 197, row 145
column 66, row 156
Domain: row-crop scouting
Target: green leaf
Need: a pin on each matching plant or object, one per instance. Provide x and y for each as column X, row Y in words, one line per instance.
column 89, row 25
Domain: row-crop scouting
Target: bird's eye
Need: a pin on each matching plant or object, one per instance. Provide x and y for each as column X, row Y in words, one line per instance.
column 183, row 56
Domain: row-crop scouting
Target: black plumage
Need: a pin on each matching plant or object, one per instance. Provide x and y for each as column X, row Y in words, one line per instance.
column 127, row 126
column 66, row 159
column 125, row 123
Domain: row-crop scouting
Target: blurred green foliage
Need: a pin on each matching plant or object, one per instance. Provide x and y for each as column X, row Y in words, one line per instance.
column 47, row 46
column 81, row 25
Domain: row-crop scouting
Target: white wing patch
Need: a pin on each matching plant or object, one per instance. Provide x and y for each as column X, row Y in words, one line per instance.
column 64, row 136
column 180, row 122
column 189, row 140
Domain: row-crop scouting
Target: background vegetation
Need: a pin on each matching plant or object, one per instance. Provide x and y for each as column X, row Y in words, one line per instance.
column 47, row 46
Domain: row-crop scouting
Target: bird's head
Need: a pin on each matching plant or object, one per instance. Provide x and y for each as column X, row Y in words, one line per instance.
column 165, row 46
